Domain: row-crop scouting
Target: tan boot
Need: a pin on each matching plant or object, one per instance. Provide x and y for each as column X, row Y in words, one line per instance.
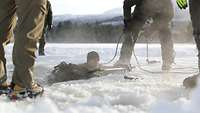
column 36, row 89
column 20, row 92
column 4, row 88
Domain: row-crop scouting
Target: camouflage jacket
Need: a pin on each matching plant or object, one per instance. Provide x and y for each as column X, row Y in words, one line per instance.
column 148, row 7
column 67, row 72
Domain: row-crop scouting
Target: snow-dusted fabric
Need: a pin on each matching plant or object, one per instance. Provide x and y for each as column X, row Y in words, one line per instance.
column 67, row 72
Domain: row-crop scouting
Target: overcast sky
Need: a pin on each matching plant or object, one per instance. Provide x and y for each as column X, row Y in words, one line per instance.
column 84, row 6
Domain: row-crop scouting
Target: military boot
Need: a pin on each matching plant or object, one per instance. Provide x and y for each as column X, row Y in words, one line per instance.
column 4, row 87
column 19, row 92
column 191, row 82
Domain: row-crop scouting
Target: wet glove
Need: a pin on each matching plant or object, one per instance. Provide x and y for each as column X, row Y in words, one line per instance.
column 182, row 4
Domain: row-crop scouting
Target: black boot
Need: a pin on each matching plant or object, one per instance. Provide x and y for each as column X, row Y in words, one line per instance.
column 191, row 82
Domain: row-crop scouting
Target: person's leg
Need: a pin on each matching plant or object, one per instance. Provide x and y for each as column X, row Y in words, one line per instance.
column 191, row 82
column 167, row 47
column 195, row 17
column 7, row 20
column 127, row 49
column 138, row 20
column 42, row 43
column 197, row 41
column 163, row 21
column 29, row 30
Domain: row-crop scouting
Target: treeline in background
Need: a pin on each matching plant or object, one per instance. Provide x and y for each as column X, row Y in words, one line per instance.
column 102, row 32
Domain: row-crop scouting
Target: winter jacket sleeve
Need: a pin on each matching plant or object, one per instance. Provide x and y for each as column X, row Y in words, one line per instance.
column 128, row 4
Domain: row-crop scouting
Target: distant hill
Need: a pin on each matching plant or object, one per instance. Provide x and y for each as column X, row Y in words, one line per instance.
column 115, row 11
column 108, row 15
column 113, row 16
column 108, row 26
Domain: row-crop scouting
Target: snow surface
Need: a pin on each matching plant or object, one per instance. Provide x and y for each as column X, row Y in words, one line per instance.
column 152, row 93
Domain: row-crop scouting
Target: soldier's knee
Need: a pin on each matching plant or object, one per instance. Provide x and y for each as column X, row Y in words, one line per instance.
column 165, row 30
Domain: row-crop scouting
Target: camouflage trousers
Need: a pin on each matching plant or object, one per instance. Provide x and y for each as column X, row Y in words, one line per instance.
column 161, row 23
column 195, row 17
column 30, row 22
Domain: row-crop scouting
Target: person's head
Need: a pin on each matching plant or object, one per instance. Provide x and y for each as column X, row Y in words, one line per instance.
column 93, row 58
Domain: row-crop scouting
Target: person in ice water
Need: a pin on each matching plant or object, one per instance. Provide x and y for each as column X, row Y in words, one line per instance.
column 67, row 72
column 191, row 82
column 161, row 12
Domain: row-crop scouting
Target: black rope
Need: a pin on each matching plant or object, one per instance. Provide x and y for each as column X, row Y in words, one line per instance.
column 116, row 50
column 158, row 72
column 137, row 61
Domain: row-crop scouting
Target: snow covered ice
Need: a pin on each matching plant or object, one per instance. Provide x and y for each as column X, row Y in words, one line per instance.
column 152, row 93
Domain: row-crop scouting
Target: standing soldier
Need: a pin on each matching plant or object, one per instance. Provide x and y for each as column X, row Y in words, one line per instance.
column 161, row 11
column 31, row 16
column 47, row 26
column 195, row 17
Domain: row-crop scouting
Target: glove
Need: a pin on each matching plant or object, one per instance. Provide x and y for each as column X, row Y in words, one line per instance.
column 182, row 4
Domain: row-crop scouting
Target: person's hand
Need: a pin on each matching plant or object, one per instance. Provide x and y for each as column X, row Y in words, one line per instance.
column 182, row 4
